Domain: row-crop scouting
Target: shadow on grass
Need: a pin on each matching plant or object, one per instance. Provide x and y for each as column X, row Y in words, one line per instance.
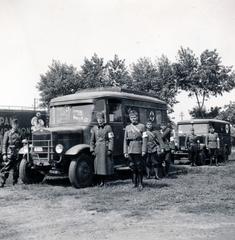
column 62, row 182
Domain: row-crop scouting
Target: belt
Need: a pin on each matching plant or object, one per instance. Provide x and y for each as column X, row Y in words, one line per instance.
column 134, row 140
column 212, row 140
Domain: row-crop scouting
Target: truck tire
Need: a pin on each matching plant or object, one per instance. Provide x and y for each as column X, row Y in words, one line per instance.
column 81, row 171
column 28, row 175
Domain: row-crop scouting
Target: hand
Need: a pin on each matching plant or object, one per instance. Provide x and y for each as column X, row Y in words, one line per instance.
column 93, row 153
column 4, row 157
column 126, row 155
column 143, row 154
column 109, row 153
column 162, row 150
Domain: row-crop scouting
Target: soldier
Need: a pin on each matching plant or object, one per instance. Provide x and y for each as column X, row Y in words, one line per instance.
column 10, row 147
column 101, row 147
column 213, row 145
column 153, row 146
column 168, row 148
column 191, row 143
column 132, row 148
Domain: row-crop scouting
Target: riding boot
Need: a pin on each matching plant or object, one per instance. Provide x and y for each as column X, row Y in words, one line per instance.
column 156, row 174
column 148, row 172
column 135, row 180
column 140, row 182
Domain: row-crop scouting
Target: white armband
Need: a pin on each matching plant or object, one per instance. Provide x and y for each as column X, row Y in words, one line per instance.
column 145, row 135
column 110, row 135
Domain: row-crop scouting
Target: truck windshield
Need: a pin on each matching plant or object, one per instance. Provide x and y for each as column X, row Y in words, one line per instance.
column 70, row 114
column 199, row 128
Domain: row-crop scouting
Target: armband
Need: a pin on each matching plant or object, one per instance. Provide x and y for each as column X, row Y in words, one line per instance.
column 145, row 135
column 110, row 135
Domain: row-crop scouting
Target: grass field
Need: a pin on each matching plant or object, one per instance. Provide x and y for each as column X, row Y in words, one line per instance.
column 199, row 204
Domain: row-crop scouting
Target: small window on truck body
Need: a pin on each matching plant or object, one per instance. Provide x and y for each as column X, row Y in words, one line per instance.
column 115, row 110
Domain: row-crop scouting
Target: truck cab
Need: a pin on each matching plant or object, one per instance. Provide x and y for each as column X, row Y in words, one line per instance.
column 63, row 148
column 201, row 129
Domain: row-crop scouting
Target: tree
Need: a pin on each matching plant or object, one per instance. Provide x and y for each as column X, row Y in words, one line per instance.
column 60, row 79
column 198, row 113
column 94, row 72
column 203, row 77
column 118, row 74
column 228, row 113
column 157, row 79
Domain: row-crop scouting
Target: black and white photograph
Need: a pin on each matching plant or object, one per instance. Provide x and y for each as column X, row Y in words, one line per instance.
column 117, row 120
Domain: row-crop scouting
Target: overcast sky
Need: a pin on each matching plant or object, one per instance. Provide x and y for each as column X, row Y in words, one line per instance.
column 35, row 32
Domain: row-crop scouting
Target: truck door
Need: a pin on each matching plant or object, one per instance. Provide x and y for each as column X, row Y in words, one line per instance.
column 114, row 107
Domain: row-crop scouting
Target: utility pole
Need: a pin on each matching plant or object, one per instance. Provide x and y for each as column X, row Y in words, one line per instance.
column 181, row 116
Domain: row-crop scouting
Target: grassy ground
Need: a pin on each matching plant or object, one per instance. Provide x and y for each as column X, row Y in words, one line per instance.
column 196, row 205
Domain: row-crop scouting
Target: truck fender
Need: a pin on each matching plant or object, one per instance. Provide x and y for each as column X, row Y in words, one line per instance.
column 77, row 149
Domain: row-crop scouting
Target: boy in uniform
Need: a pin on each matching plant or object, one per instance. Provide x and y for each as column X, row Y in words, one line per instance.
column 153, row 146
column 10, row 148
column 132, row 148
column 101, row 147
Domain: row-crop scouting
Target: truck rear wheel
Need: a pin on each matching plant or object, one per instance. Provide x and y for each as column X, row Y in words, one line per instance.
column 81, row 171
column 28, row 175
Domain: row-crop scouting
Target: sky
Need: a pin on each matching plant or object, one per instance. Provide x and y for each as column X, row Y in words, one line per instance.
column 35, row 32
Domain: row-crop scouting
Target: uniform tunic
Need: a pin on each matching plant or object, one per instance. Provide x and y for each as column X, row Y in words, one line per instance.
column 11, row 143
column 101, row 142
column 10, row 147
column 192, row 145
column 133, row 139
column 152, row 145
column 212, row 139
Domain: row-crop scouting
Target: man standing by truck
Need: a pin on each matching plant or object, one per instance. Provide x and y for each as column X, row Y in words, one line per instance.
column 132, row 148
column 213, row 145
column 101, row 147
column 153, row 146
column 10, row 147
column 191, row 143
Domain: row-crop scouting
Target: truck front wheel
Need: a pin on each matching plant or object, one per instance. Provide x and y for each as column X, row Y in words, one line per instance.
column 28, row 175
column 81, row 171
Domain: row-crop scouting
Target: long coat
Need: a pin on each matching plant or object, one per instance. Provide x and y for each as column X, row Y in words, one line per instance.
column 101, row 142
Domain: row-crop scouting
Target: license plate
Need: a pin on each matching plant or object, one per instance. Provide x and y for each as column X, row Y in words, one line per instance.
column 38, row 149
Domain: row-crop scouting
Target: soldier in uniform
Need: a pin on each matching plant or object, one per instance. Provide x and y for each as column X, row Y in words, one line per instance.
column 213, row 145
column 132, row 148
column 101, row 147
column 10, row 147
column 153, row 146
column 191, row 143
column 168, row 148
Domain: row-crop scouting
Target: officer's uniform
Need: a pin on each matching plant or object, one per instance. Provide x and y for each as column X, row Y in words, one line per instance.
column 152, row 145
column 101, row 142
column 192, row 145
column 133, row 147
column 10, row 147
column 212, row 144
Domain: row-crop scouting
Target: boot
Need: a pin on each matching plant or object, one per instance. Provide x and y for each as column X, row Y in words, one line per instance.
column 156, row 174
column 102, row 182
column 148, row 173
column 135, row 180
column 140, row 185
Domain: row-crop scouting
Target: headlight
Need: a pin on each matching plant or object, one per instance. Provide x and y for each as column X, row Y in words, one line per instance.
column 59, row 148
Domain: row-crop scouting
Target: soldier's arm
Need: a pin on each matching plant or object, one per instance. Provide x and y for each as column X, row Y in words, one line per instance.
column 125, row 145
column 5, row 143
column 145, row 141
column 92, row 141
column 110, row 139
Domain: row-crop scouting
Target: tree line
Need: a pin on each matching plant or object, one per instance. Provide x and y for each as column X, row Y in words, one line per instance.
column 201, row 77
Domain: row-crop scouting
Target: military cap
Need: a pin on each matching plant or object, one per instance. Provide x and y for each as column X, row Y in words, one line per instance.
column 133, row 113
column 100, row 115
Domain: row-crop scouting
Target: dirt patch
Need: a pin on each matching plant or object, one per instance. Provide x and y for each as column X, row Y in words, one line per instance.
column 197, row 205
